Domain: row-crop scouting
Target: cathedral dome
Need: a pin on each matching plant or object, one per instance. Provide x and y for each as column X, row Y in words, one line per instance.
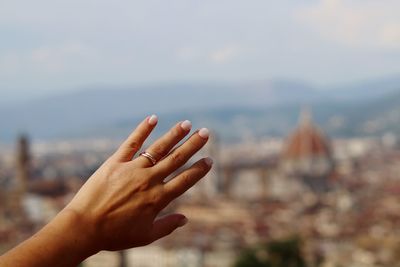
column 307, row 141
column 307, row 152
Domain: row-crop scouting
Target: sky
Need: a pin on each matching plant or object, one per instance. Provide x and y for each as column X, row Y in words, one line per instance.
column 49, row 46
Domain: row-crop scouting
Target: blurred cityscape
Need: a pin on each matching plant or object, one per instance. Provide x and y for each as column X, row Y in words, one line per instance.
column 302, row 97
column 340, row 197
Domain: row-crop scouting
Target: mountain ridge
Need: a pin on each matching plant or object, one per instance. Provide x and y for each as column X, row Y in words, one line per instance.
column 110, row 111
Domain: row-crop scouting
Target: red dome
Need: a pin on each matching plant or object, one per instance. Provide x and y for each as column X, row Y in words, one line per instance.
column 307, row 141
column 307, row 155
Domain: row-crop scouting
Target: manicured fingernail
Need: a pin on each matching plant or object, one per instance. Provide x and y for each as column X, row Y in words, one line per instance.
column 186, row 125
column 204, row 133
column 153, row 120
column 183, row 222
column 209, row 161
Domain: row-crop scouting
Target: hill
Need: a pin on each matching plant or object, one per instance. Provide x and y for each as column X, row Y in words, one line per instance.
column 234, row 110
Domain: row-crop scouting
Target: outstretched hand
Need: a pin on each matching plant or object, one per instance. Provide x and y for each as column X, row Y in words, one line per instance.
column 121, row 201
column 118, row 207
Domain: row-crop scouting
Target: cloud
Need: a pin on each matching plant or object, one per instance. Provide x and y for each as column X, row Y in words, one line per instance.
column 391, row 35
column 45, row 59
column 359, row 23
column 224, row 54
column 52, row 44
column 58, row 57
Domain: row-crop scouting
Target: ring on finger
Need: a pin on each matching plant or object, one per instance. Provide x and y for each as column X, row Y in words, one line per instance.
column 149, row 156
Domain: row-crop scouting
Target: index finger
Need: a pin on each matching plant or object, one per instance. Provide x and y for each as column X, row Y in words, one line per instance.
column 136, row 139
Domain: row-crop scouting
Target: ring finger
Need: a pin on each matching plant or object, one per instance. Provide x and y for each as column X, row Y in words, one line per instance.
column 163, row 146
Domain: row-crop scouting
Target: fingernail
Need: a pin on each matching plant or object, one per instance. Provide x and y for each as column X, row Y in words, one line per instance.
column 153, row 120
column 204, row 133
column 209, row 161
column 186, row 125
column 183, row 222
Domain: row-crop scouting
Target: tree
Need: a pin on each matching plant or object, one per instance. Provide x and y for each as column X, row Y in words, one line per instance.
column 286, row 253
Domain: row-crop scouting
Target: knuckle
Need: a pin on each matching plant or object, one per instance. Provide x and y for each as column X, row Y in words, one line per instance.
column 153, row 200
column 134, row 145
column 186, row 179
column 144, row 185
column 158, row 151
column 192, row 142
column 176, row 132
column 111, row 168
column 177, row 157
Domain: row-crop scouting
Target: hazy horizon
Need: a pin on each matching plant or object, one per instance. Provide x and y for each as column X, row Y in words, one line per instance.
column 11, row 97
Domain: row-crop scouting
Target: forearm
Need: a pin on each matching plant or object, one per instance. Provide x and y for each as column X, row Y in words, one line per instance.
column 62, row 243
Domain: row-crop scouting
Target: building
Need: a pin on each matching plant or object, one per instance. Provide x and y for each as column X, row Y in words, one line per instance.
column 307, row 155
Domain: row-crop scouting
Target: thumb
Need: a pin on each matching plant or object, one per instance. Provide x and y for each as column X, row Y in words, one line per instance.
column 166, row 225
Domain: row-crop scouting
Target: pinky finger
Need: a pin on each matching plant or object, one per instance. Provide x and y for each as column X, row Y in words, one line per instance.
column 184, row 181
column 166, row 225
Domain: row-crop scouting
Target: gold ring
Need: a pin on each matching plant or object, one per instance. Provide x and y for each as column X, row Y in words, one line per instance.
column 149, row 156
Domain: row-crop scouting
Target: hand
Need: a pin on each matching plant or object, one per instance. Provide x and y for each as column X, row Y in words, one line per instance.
column 119, row 204
column 117, row 207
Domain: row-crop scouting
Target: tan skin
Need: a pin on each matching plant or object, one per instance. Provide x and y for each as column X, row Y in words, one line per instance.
column 118, row 207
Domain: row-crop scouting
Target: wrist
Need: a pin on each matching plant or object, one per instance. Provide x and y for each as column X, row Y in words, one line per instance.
column 73, row 234
column 64, row 242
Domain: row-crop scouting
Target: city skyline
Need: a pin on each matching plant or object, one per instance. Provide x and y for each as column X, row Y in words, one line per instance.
column 262, row 195
column 299, row 102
